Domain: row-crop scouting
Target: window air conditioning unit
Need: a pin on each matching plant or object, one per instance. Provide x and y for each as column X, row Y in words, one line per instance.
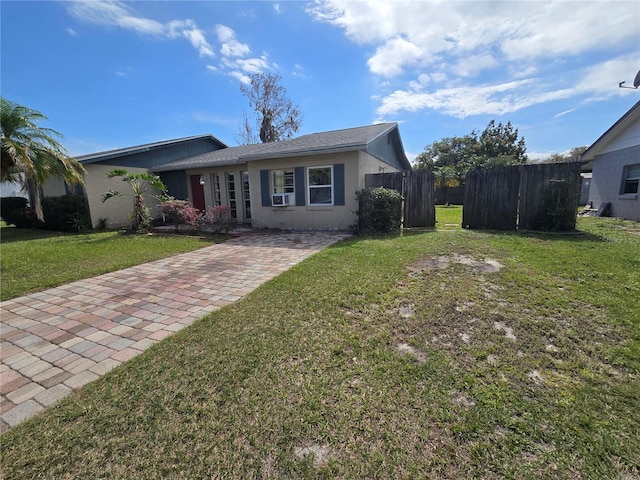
column 280, row 199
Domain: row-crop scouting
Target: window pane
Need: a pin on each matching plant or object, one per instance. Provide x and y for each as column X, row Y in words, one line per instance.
column 320, row 195
column 631, row 186
column 320, row 176
column 282, row 181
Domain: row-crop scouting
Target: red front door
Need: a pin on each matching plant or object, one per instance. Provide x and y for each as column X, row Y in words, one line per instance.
column 197, row 192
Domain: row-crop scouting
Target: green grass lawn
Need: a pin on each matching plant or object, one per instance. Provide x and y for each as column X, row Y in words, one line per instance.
column 32, row 260
column 456, row 354
column 448, row 217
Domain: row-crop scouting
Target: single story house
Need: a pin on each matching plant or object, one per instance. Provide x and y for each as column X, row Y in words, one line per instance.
column 308, row 182
column 615, row 164
column 134, row 159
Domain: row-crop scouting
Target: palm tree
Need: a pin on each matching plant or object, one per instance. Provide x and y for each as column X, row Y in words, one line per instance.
column 31, row 155
column 446, row 176
column 142, row 184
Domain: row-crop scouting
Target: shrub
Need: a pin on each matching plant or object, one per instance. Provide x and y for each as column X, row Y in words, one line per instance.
column 181, row 212
column 218, row 219
column 12, row 209
column 379, row 210
column 65, row 213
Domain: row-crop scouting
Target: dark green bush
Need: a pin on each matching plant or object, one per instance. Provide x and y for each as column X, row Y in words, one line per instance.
column 12, row 209
column 65, row 213
column 379, row 210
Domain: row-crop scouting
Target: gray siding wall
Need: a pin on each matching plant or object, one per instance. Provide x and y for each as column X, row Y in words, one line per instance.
column 163, row 155
column 176, row 182
column 607, row 179
column 387, row 148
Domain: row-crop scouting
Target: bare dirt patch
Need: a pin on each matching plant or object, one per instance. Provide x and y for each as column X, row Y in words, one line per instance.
column 319, row 453
column 406, row 349
column 442, row 262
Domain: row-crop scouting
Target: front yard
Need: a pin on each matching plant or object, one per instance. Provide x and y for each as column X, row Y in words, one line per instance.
column 441, row 354
column 32, row 260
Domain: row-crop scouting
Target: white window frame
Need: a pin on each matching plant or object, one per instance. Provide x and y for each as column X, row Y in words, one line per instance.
column 311, row 187
column 630, row 172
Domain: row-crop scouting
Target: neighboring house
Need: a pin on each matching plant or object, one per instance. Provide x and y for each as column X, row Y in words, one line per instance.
column 134, row 159
column 13, row 189
column 615, row 162
column 309, row 182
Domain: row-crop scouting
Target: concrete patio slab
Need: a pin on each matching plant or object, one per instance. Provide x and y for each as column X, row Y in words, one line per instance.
column 60, row 339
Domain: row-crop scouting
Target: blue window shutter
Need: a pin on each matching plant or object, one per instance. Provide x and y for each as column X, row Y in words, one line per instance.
column 264, row 188
column 338, row 184
column 299, row 186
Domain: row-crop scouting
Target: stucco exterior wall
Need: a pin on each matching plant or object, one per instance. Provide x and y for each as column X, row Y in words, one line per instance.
column 306, row 217
column 606, row 182
column 117, row 209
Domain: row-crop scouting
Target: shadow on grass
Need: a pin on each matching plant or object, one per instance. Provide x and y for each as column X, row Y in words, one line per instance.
column 577, row 236
column 13, row 234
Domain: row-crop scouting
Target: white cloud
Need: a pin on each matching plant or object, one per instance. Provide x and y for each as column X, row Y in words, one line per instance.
column 231, row 47
column 199, row 42
column 125, row 72
column 390, row 59
column 562, row 114
column 509, row 49
column 115, row 13
column 72, row 32
column 234, row 61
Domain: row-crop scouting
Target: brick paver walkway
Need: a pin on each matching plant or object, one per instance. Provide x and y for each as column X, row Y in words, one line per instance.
column 63, row 338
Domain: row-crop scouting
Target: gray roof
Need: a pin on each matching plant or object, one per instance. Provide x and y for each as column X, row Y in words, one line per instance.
column 119, row 152
column 350, row 139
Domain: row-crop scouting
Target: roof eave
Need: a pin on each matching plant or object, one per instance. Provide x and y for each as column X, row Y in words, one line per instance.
column 99, row 157
column 596, row 147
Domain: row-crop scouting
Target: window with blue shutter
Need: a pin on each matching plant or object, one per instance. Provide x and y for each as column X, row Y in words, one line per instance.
column 338, row 183
column 264, row 188
column 299, row 186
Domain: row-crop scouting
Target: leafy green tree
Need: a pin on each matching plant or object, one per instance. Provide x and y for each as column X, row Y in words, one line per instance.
column 460, row 153
column 277, row 118
column 572, row 156
column 31, row 154
column 142, row 184
column 497, row 145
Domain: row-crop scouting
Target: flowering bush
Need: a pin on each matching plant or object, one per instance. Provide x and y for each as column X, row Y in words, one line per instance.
column 181, row 212
column 218, row 219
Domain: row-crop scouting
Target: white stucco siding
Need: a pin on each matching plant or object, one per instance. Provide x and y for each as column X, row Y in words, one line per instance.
column 117, row 209
column 306, row 217
column 607, row 180
column 370, row 164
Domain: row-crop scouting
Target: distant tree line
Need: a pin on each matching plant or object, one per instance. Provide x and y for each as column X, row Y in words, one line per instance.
column 497, row 145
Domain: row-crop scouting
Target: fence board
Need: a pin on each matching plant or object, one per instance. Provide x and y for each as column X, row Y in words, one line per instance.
column 491, row 199
column 419, row 194
column 549, row 196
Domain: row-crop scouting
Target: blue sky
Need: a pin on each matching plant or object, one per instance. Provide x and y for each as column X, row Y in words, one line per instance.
column 117, row 74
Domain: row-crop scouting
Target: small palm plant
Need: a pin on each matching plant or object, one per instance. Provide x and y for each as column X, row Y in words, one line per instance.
column 445, row 177
column 142, row 184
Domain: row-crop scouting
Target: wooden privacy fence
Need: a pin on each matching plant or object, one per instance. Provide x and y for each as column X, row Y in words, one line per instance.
column 529, row 197
column 418, row 192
